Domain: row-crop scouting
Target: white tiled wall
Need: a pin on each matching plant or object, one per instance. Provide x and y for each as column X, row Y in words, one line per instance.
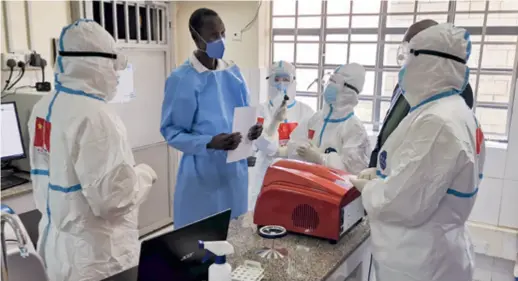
column 487, row 206
column 509, row 206
column 492, row 269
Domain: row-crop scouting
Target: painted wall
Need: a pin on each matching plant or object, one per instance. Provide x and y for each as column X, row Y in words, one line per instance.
column 47, row 18
column 250, row 53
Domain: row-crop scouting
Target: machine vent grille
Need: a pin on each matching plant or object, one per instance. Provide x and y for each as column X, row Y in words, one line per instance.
column 305, row 216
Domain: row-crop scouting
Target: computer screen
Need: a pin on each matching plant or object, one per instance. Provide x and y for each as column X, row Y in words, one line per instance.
column 12, row 144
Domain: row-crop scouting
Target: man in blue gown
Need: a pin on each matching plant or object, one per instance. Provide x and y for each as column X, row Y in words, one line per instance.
column 197, row 115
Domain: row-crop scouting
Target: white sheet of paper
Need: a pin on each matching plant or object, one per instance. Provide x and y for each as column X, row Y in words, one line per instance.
column 125, row 86
column 244, row 119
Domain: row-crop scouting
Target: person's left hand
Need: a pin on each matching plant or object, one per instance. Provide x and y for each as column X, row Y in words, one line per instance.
column 310, row 153
column 255, row 132
column 359, row 183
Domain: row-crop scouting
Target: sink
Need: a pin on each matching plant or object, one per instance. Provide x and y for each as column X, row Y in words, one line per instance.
column 22, row 268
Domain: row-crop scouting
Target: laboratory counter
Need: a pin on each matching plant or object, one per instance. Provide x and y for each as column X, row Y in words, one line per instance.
column 308, row 259
column 17, row 190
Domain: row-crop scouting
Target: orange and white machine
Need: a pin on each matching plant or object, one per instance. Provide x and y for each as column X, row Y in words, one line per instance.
column 309, row 199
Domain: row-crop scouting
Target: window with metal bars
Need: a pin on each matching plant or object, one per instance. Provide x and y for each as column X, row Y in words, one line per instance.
column 132, row 22
column 318, row 36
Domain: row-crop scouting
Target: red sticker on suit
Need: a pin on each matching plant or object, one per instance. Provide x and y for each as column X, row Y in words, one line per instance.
column 285, row 130
column 42, row 134
column 479, row 139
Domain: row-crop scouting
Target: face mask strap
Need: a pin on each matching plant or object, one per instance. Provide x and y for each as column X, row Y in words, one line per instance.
column 437, row 54
column 87, row 54
column 352, row 88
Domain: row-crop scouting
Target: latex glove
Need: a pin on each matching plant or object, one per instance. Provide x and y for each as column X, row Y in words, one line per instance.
column 310, row 153
column 255, row 132
column 279, row 115
column 282, row 152
column 359, row 183
column 368, row 174
column 225, row 141
column 149, row 170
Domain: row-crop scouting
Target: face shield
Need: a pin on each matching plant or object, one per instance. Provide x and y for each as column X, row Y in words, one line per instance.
column 281, row 81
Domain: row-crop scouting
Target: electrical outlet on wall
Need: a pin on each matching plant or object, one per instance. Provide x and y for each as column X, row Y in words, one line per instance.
column 237, row 36
column 16, row 56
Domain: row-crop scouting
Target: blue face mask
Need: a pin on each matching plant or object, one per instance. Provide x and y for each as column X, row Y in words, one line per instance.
column 330, row 93
column 282, row 86
column 216, row 49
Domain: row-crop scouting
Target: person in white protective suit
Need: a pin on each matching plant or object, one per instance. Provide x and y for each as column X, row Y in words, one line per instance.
column 429, row 168
column 278, row 114
column 338, row 138
column 85, row 180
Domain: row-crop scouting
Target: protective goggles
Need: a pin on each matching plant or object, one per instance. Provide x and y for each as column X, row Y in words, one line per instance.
column 121, row 62
column 339, row 81
column 404, row 55
column 280, row 77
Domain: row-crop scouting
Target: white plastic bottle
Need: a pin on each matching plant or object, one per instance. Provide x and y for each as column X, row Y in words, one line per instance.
column 220, row 270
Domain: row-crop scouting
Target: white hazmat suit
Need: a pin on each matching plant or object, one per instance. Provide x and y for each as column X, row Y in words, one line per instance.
column 85, row 180
column 276, row 112
column 339, row 139
column 429, row 168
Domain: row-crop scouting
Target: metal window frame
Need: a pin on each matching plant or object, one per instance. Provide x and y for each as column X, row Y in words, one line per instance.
column 381, row 31
column 84, row 9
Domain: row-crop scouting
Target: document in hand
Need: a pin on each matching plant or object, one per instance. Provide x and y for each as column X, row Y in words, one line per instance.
column 244, row 118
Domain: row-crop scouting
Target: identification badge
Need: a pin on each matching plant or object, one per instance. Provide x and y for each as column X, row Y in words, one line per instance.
column 42, row 135
column 285, row 130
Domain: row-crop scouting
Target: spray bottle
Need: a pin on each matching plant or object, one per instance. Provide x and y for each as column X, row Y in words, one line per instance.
column 220, row 270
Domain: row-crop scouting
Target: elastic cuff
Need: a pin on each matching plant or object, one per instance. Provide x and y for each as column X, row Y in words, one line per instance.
column 204, row 140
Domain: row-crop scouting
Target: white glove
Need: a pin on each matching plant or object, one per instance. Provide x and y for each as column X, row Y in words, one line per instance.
column 149, row 170
column 359, row 183
column 368, row 174
column 310, row 153
column 281, row 112
column 282, row 152
column 279, row 116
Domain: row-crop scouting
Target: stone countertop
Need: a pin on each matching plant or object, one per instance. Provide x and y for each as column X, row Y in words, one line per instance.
column 308, row 259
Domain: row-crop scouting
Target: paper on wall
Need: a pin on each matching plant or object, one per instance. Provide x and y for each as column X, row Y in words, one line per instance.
column 125, row 86
column 244, row 118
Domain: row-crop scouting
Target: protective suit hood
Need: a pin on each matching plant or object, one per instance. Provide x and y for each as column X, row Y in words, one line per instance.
column 425, row 75
column 79, row 70
column 276, row 89
column 349, row 79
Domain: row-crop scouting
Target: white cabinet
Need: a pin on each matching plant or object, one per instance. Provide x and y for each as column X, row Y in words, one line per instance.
column 356, row 266
column 157, row 210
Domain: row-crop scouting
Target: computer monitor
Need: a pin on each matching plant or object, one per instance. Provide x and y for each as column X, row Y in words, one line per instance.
column 12, row 143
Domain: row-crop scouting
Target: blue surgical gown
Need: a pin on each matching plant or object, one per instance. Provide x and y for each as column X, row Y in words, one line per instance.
column 198, row 106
